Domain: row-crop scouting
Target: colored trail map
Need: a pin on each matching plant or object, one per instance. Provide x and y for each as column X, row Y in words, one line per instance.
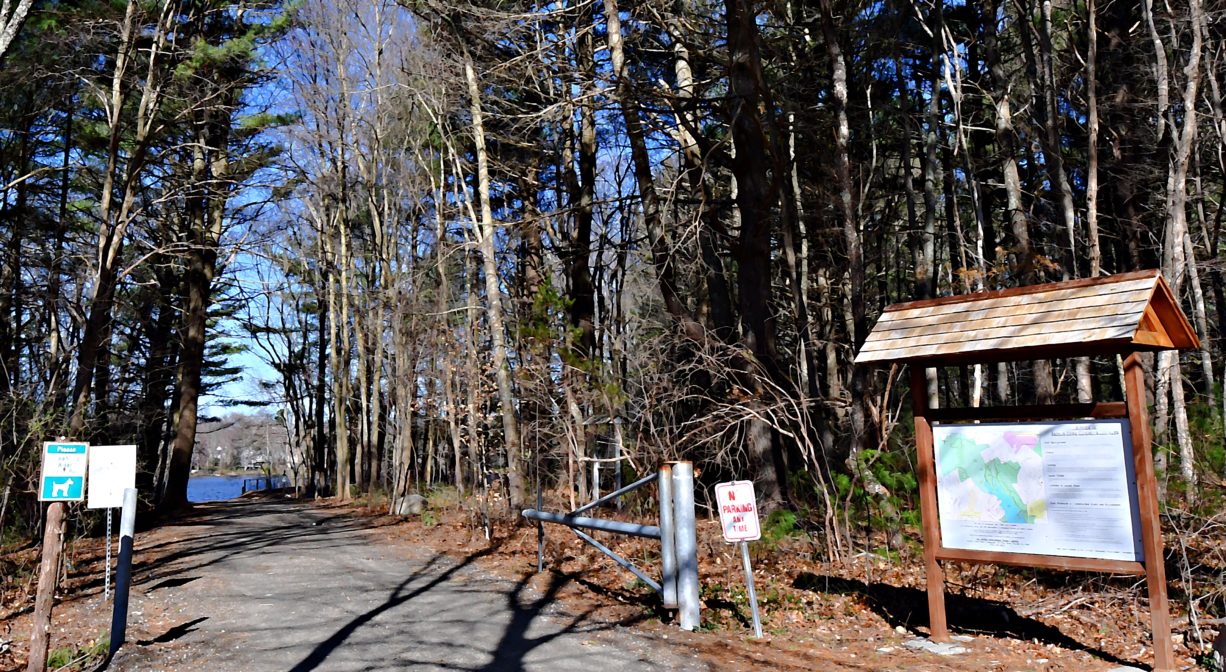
column 1052, row 488
column 1000, row 481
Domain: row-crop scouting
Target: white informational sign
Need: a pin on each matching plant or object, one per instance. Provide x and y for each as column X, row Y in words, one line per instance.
column 63, row 475
column 111, row 470
column 738, row 511
column 1052, row 488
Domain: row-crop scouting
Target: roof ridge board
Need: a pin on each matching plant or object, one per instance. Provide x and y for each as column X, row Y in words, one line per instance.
column 1098, row 345
column 1115, row 308
column 974, row 304
column 1026, row 289
column 1126, row 331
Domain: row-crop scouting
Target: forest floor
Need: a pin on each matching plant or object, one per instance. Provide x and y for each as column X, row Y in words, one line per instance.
column 272, row 584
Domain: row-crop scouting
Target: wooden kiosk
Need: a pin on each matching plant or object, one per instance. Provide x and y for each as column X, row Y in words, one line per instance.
column 1124, row 315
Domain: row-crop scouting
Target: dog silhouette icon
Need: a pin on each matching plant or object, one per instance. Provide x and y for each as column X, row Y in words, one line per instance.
column 60, row 489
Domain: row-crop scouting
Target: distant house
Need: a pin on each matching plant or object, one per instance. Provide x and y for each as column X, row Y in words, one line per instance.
column 258, row 464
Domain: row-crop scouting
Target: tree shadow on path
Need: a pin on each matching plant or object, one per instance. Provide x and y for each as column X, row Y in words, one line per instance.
column 515, row 644
column 908, row 607
column 398, row 597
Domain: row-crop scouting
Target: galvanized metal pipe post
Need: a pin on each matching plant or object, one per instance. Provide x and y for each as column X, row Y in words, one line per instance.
column 686, row 544
column 123, row 574
column 668, row 548
column 753, row 596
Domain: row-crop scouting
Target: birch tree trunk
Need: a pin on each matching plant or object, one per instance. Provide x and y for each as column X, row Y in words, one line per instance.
column 1024, row 266
column 485, row 240
column 1175, row 246
column 1095, row 253
column 10, row 23
column 855, row 261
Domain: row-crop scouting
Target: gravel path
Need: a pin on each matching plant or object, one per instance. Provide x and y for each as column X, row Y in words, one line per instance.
column 263, row 585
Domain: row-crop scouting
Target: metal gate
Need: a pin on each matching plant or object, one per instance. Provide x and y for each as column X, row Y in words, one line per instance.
column 678, row 585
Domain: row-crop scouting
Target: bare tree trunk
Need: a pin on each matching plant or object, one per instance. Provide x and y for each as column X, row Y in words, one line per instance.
column 324, row 348
column 10, row 23
column 1201, row 320
column 1024, row 265
column 755, row 195
column 1058, row 177
column 338, row 357
column 1092, row 151
column 485, row 239
column 362, row 356
column 661, row 253
column 925, row 258
column 114, row 221
column 206, row 216
column 851, row 236
column 1175, row 261
column 1085, row 383
column 925, row 251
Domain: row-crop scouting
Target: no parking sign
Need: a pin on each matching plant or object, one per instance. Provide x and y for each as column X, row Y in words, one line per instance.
column 738, row 511
column 738, row 516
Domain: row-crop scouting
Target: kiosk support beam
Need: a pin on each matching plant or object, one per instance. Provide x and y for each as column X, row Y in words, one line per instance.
column 937, row 628
column 1147, row 504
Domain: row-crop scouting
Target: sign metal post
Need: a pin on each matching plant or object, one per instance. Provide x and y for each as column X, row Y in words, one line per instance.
column 753, row 596
column 112, row 470
column 123, row 577
column 106, row 576
column 738, row 518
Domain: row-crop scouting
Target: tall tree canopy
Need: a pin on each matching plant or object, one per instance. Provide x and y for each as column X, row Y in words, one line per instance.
column 518, row 245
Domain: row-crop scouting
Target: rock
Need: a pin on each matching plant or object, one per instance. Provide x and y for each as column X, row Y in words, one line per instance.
column 939, row 648
column 1125, row 668
column 411, row 505
column 1219, row 650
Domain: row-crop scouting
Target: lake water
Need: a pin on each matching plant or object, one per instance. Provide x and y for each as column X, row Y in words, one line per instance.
column 213, row 488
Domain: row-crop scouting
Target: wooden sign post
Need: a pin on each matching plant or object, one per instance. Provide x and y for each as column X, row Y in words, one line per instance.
column 1122, row 315
column 62, row 480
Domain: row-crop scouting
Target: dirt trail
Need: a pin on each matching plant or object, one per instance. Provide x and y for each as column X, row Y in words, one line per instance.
column 274, row 584
column 267, row 585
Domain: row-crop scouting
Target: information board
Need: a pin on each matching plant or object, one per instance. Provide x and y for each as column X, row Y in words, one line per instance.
column 1051, row 488
column 63, row 474
column 111, row 470
column 738, row 511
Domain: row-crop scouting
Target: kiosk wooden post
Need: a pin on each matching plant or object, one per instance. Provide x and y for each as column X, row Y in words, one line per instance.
column 1123, row 315
column 1147, row 504
column 933, row 574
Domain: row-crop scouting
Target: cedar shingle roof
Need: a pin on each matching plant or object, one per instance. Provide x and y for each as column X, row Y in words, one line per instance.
column 1113, row 314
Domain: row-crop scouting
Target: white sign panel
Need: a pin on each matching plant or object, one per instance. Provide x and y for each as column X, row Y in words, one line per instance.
column 1052, row 488
column 63, row 475
column 111, row 470
column 738, row 511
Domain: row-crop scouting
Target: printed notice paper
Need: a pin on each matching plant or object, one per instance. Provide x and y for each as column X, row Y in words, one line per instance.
column 1053, row 488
